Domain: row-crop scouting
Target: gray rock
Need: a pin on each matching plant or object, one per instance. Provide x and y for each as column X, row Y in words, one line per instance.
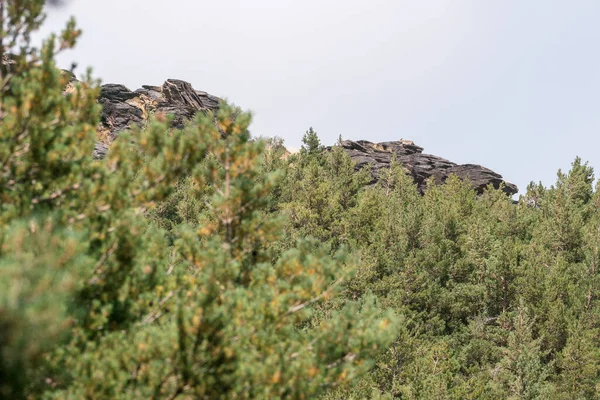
column 123, row 108
column 118, row 115
column 116, row 92
column 100, row 150
column 421, row 166
column 183, row 102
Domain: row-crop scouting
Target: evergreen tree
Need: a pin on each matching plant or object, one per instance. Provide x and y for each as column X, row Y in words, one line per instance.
column 223, row 323
column 45, row 141
column 522, row 372
column 201, row 263
column 216, row 315
column 579, row 364
column 311, row 143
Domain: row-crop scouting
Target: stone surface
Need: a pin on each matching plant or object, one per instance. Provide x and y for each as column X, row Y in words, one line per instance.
column 419, row 165
column 100, row 150
column 121, row 107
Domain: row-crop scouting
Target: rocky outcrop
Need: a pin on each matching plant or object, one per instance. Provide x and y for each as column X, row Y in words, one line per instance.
column 421, row 166
column 121, row 108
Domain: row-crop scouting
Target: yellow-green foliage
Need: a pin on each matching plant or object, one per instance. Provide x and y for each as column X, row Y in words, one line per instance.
column 199, row 263
column 98, row 301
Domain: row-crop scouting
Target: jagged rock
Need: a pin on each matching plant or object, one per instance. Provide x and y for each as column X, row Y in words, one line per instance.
column 121, row 107
column 116, row 92
column 179, row 99
column 419, row 165
column 118, row 115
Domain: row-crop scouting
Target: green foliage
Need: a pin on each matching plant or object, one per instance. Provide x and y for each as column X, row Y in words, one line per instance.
column 41, row 266
column 521, row 372
column 217, row 314
column 311, row 144
column 153, row 274
column 498, row 299
column 202, row 263
column 318, row 190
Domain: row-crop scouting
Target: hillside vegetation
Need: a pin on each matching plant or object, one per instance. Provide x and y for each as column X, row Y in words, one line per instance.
column 196, row 262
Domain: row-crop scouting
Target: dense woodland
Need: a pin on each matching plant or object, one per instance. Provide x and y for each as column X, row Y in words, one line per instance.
column 201, row 263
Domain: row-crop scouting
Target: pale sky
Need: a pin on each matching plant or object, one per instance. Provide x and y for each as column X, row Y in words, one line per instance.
column 509, row 84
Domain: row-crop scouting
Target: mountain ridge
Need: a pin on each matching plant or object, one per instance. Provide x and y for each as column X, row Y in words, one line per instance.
column 121, row 108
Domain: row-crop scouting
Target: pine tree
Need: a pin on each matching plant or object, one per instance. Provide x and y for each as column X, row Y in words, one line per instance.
column 311, row 142
column 45, row 140
column 201, row 263
column 226, row 320
column 216, row 314
column 522, row 372
column 580, row 364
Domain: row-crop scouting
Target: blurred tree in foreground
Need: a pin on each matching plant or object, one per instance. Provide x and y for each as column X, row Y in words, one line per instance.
column 95, row 302
column 202, row 263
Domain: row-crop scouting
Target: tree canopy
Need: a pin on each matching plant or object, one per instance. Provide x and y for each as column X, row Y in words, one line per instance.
column 199, row 262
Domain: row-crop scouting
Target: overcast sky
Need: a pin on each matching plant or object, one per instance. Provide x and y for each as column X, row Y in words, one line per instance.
column 509, row 84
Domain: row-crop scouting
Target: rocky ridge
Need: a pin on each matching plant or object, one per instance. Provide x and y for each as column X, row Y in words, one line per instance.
column 421, row 166
column 122, row 107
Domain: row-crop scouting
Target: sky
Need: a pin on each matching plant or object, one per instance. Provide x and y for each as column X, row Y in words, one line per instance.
column 508, row 84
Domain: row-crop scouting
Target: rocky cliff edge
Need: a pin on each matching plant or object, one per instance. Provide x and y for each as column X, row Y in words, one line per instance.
column 122, row 107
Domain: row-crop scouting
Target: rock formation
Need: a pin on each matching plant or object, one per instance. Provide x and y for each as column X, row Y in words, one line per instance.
column 121, row 108
column 419, row 165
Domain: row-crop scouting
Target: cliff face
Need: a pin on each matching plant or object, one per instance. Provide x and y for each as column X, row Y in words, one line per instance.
column 122, row 107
